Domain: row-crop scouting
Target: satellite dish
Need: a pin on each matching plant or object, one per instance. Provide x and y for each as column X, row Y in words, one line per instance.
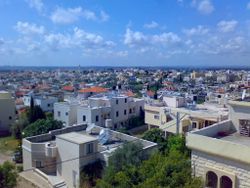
column 104, row 136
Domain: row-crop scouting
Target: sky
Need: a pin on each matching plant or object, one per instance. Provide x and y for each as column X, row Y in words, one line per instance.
column 125, row 33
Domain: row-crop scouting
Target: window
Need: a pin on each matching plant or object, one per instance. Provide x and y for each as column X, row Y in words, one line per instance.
column 126, row 100
column 156, row 117
column 226, row 182
column 211, row 179
column 116, row 101
column 117, row 113
column 130, row 110
column 90, row 148
column 83, row 118
column 96, row 118
column 48, row 105
column 194, row 124
column 58, row 113
column 140, row 108
column 125, row 112
column 66, row 113
column 38, row 164
column 10, row 118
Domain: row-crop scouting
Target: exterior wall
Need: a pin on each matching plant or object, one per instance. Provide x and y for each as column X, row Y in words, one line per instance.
column 238, row 172
column 47, row 104
column 69, row 164
column 155, row 115
column 237, row 112
column 68, row 168
column 33, row 152
column 174, row 102
column 120, row 107
column 68, row 113
column 91, row 113
column 7, row 113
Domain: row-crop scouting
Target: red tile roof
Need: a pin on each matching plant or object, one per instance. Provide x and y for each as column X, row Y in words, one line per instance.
column 95, row 89
column 68, row 88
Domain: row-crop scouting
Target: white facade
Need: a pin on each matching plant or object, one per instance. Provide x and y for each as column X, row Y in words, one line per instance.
column 46, row 103
column 174, row 101
column 117, row 108
column 7, row 111
column 66, row 112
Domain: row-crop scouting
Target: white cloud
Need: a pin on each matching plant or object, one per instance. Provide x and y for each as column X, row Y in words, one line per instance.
column 151, row 25
column 36, row 4
column 29, row 28
column 134, row 38
column 199, row 30
column 166, row 38
column 78, row 39
column 71, row 15
column 104, row 16
column 203, row 6
column 248, row 6
column 227, row 26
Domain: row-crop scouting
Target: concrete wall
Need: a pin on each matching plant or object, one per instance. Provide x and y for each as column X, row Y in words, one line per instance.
column 155, row 115
column 91, row 113
column 68, row 113
column 174, row 102
column 68, row 162
column 238, row 172
column 7, row 113
column 238, row 112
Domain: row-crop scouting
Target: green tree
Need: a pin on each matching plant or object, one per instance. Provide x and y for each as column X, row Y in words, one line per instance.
column 41, row 126
column 170, row 168
column 157, row 136
column 8, row 175
column 36, row 113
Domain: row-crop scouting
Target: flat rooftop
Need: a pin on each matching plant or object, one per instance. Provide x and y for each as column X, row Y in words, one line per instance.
column 238, row 139
column 77, row 138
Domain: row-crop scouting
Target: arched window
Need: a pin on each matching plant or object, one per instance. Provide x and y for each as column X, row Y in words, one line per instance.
column 226, row 182
column 211, row 180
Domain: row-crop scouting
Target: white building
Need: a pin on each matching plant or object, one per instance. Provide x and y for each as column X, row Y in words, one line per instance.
column 45, row 102
column 118, row 108
column 220, row 153
column 66, row 112
column 56, row 158
column 7, row 111
column 99, row 108
column 174, row 101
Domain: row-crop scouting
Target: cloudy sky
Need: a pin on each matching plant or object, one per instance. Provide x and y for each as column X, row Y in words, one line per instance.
column 125, row 32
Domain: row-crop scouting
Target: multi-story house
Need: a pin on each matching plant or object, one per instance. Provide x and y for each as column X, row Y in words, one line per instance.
column 118, row 108
column 97, row 109
column 220, row 153
column 56, row 159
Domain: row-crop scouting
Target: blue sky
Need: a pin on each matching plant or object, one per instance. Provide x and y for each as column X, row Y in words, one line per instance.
column 125, row 33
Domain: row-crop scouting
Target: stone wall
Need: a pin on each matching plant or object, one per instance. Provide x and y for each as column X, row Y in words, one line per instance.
column 238, row 172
